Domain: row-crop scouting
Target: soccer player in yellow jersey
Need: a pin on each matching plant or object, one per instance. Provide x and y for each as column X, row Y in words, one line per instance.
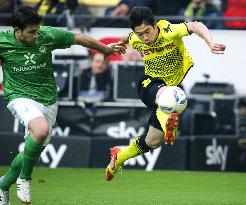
column 166, row 63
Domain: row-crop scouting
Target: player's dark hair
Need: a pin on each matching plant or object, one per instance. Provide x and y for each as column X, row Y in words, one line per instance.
column 24, row 16
column 140, row 15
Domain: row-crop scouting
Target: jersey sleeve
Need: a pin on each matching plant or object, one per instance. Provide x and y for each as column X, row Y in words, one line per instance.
column 60, row 38
column 178, row 30
column 133, row 40
column 130, row 39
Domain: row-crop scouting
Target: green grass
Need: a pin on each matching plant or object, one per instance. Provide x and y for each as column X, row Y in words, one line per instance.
column 87, row 186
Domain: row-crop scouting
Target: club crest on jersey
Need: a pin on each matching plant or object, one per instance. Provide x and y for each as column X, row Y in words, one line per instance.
column 42, row 49
column 29, row 58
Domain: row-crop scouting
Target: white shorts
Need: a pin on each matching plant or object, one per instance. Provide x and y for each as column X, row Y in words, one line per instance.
column 25, row 110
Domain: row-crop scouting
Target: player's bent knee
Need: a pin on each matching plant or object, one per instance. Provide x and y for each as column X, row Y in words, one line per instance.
column 154, row 143
column 42, row 133
column 39, row 128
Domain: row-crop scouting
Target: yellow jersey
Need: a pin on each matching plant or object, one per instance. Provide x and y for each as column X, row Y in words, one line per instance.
column 166, row 59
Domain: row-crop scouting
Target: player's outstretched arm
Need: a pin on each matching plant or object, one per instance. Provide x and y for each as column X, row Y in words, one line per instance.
column 124, row 40
column 92, row 43
column 202, row 31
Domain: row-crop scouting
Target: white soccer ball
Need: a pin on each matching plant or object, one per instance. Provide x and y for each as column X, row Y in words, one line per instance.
column 172, row 99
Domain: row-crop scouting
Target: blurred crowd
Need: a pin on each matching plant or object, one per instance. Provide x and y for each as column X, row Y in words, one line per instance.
column 62, row 12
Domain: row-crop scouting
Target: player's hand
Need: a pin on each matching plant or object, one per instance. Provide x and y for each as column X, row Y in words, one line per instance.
column 217, row 48
column 113, row 49
column 122, row 42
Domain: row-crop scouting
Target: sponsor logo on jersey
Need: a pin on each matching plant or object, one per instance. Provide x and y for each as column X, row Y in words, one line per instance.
column 29, row 68
column 169, row 46
column 29, row 58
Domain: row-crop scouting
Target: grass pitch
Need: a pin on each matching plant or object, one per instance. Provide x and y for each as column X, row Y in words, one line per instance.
column 65, row 186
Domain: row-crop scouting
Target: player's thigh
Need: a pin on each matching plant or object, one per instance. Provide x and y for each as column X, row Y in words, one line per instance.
column 50, row 113
column 154, row 122
column 25, row 110
column 147, row 90
column 154, row 137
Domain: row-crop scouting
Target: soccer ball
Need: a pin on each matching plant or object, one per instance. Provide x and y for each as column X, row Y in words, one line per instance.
column 172, row 99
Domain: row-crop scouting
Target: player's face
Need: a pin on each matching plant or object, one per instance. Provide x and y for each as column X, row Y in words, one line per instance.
column 28, row 35
column 147, row 33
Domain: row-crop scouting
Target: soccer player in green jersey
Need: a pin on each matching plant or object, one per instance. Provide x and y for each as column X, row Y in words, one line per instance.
column 29, row 88
column 166, row 62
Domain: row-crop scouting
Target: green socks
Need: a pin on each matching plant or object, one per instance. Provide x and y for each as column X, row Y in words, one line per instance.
column 13, row 173
column 22, row 165
column 31, row 153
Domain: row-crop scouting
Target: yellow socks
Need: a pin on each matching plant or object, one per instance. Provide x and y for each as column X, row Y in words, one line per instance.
column 135, row 148
column 162, row 118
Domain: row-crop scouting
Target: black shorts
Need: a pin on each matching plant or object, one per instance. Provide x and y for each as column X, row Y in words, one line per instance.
column 147, row 90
